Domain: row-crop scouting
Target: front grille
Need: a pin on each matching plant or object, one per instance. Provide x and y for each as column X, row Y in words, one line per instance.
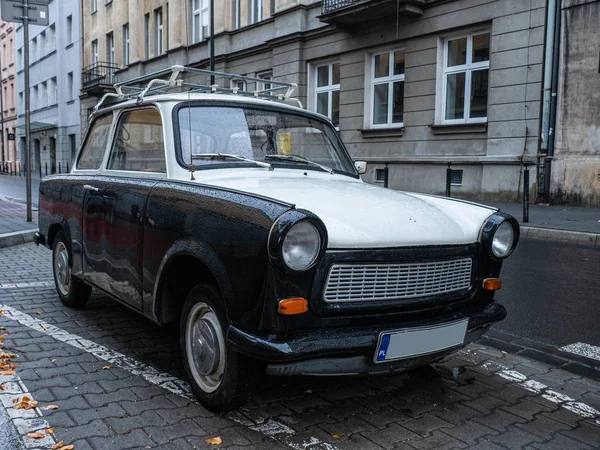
column 373, row 282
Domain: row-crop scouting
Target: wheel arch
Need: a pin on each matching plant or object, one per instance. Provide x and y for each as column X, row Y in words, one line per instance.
column 186, row 264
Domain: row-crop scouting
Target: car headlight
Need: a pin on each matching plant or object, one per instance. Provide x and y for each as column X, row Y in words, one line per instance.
column 500, row 235
column 297, row 241
column 301, row 246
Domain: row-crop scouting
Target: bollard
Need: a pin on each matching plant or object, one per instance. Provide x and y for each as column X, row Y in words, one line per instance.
column 448, row 180
column 46, row 168
column 67, row 167
column 40, row 171
column 526, row 194
column 59, row 169
column 386, row 173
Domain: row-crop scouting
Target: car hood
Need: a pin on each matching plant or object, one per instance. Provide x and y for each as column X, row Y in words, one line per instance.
column 361, row 215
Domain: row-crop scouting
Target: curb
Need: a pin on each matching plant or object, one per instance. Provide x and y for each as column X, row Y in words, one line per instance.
column 17, row 238
column 547, row 354
column 550, row 234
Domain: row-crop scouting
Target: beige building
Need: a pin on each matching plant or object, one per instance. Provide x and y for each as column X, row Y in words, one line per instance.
column 10, row 159
column 412, row 86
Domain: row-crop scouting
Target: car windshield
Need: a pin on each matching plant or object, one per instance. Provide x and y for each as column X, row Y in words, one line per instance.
column 279, row 138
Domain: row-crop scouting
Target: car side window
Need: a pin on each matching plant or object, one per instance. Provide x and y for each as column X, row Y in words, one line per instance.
column 139, row 144
column 95, row 144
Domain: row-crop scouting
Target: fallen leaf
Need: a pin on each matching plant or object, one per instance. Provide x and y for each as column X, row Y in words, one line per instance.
column 58, row 445
column 2, row 387
column 36, row 435
column 8, row 372
column 336, row 436
column 49, row 430
column 67, row 447
column 26, row 403
column 49, row 407
column 52, row 360
column 214, row 441
column 106, row 367
column 1, row 313
column 37, row 313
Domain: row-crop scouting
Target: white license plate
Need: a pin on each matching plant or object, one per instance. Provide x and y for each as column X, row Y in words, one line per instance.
column 411, row 342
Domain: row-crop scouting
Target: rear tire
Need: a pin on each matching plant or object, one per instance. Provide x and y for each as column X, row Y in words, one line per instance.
column 73, row 292
column 221, row 378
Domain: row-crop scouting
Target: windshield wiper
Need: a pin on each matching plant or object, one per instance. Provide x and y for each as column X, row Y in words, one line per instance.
column 224, row 156
column 300, row 159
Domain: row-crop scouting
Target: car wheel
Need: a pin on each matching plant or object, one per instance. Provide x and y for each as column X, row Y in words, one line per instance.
column 72, row 291
column 222, row 379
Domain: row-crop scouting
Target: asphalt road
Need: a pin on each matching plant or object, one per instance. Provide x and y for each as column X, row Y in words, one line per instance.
column 14, row 187
column 552, row 293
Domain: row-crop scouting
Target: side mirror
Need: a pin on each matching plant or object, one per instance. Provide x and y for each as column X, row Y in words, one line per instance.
column 361, row 167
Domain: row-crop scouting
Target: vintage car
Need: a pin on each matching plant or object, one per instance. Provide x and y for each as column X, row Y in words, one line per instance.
column 242, row 219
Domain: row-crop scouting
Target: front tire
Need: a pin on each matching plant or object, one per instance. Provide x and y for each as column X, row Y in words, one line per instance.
column 221, row 378
column 73, row 292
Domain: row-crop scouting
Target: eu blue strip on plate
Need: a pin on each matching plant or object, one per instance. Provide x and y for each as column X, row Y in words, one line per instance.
column 383, row 348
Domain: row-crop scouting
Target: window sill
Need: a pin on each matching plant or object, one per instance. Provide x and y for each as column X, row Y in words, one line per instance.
column 69, row 46
column 373, row 133
column 459, row 128
column 70, row 102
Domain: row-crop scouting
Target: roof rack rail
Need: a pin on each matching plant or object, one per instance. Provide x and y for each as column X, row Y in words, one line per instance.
column 163, row 81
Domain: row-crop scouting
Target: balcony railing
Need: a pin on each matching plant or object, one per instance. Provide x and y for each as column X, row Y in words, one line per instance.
column 98, row 74
column 328, row 6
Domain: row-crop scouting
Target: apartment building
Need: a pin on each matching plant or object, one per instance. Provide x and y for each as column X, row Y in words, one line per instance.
column 8, row 106
column 55, row 78
column 413, row 86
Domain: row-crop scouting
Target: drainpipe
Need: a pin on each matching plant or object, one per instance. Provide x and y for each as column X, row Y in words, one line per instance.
column 549, row 52
column 553, row 100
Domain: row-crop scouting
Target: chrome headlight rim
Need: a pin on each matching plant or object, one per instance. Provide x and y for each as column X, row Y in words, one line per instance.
column 279, row 231
column 489, row 230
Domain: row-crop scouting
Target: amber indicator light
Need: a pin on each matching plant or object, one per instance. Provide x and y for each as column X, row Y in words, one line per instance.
column 492, row 284
column 293, row 306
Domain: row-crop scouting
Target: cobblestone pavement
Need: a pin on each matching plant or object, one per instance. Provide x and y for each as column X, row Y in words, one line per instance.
column 116, row 379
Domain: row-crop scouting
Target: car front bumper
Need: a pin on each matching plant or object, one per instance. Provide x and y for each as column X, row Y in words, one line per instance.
column 348, row 350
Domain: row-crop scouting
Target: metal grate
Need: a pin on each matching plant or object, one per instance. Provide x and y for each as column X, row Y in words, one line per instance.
column 328, row 6
column 373, row 282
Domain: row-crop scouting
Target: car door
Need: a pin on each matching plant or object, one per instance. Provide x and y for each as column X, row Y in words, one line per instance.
column 115, row 203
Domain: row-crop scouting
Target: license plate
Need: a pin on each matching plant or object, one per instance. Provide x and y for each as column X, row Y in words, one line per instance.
column 411, row 342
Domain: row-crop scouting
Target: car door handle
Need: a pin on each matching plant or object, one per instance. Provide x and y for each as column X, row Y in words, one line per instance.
column 89, row 187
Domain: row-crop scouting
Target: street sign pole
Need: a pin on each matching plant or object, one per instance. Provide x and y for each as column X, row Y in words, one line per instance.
column 27, row 111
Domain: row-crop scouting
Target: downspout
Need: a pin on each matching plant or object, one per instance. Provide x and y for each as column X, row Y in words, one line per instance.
column 549, row 51
column 553, row 100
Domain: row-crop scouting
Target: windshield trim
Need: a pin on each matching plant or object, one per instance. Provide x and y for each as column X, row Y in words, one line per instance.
column 246, row 105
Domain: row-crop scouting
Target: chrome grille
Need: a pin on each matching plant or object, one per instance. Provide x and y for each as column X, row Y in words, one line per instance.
column 373, row 282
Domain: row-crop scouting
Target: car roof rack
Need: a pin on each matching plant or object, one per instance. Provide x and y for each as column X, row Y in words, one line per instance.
column 171, row 79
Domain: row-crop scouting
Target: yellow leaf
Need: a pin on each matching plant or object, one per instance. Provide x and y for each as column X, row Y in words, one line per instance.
column 37, row 313
column 336, row 436
column 58, row 445
column 106, row 367
column 49, row 430
column 8, row 372
column 36, row 435
column 2, row 387
column 214, row 441
column 67, row 447
column 49, row 407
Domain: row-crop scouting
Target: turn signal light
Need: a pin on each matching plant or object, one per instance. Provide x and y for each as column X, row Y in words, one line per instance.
column 293, row 306
column 492, row 284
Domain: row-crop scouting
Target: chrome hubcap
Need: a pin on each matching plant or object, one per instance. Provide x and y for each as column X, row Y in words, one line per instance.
column 205, row 347
column 62, row 271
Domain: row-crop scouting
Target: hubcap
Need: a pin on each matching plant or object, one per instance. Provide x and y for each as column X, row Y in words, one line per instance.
column 62, row 271
column 205, row 347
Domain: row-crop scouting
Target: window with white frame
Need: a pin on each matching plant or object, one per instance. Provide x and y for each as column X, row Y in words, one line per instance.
column 254, row 11
column 126, row 44
column 110, row 48
column 466, row 69
column 265, row 84
column 94, row 51
column 93, row 6
column 387, row 89
column 147, row 35
column 240, row 84
column 200, row 19
column 158, row 31
column 326, row 97
column 69, row 29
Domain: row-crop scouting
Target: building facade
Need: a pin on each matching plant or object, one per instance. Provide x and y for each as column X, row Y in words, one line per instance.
column 8, row 105
column 575, row 174
column 412, row 86
column 55, row 79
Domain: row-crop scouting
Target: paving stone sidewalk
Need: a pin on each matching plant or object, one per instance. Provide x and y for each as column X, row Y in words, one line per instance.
column 480, row 398
column 13, row 217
